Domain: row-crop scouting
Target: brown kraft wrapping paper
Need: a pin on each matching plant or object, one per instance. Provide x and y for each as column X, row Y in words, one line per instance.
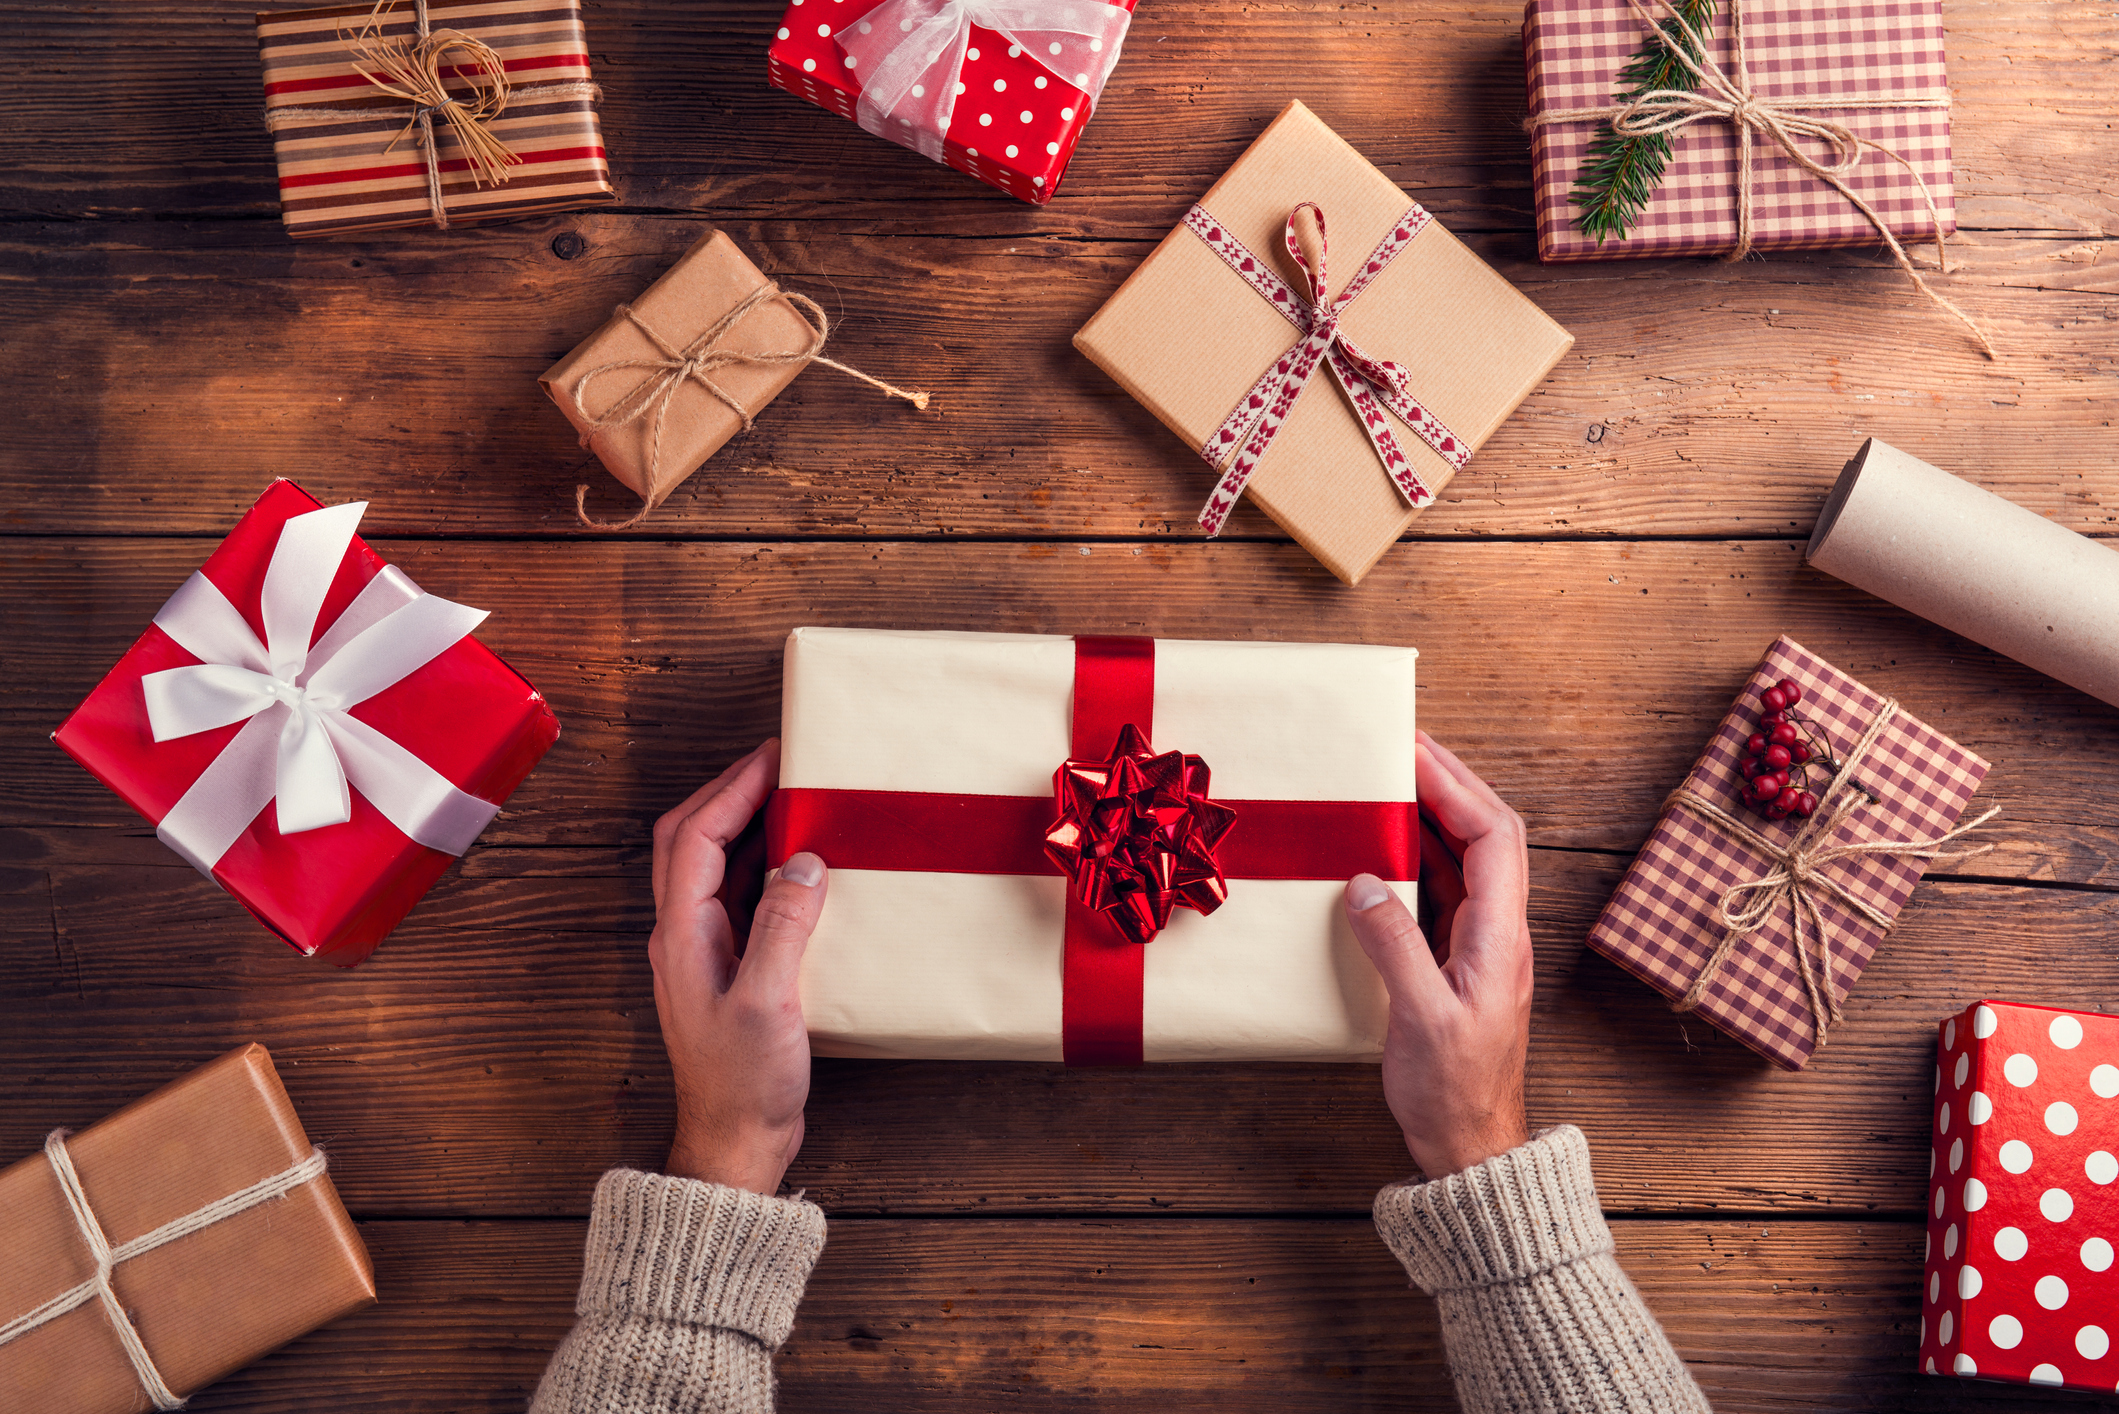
column 1186, row 337
column 205, row 1304
column 1663, row 923
column 1976, row 564
column 708, row 281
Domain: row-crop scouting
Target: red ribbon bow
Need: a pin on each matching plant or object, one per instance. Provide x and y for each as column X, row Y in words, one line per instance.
column 1136, row 834
column 1372, row 384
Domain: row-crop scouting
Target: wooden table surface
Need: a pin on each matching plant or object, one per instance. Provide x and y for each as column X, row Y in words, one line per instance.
column 1587, row 597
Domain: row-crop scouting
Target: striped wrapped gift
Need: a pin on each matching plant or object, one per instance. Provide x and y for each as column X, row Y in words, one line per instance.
column 343, row 173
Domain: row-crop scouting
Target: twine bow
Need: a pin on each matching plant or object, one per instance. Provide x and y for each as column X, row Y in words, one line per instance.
column 415, row 68
column 1729, row 97
column 107, row 1257
column 695, row 363
column 1797, row 876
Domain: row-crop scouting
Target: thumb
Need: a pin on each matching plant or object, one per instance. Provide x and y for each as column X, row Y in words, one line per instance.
column 786, row 915
column 1391, row 936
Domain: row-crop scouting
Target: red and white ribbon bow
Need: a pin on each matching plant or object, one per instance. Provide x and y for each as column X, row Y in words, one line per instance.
column 1371, row 384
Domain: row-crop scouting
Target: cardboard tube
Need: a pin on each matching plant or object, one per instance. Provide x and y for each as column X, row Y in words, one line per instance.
column 1976, row 564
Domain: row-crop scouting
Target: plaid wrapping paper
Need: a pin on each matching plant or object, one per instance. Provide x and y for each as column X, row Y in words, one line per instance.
column 1664, row 922
column 337, row 176
column 1801, row 56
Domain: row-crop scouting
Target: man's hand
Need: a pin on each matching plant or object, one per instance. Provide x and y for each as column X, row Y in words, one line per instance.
column 733, row 1027
column 1453, row 1058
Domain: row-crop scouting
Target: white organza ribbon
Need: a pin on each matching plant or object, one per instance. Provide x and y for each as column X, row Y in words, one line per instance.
column 909, row 56
column 299, row 746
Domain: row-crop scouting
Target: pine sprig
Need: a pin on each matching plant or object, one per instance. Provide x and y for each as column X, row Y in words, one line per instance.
column 1621, row 174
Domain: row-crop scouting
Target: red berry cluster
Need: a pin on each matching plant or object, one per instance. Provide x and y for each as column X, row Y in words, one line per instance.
column 1776, row 758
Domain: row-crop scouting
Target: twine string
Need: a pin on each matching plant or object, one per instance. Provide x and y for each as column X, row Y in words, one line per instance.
column 108, row 1257
column 696, row 363
column 1796, row 874
column 1731, row 99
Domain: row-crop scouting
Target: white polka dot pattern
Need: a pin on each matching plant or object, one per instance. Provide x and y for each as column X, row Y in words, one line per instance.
column 1052, row 72
column 2021, row 1270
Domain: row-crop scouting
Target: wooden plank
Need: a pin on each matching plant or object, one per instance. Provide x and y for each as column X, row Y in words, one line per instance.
column 1254, row 1314
column 1433, row 90
column 501, row 1051
column 1580, row 678
column 325, row 363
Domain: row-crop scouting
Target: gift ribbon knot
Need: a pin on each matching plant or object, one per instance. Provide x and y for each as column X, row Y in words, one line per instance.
column 1136, row 835
column 300, row 746
column 1729, row 97
column 1372, row 385
column 1796, row 875
column 909, row 57
column 673, row 367
column 108, row 1257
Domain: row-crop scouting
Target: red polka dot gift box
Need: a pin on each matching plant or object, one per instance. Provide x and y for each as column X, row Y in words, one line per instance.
column 998, row 89
column 2023, row 1207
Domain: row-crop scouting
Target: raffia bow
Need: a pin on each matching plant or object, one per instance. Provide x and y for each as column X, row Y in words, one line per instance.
column 413, row 68
column 695, row 363
column 1730, row 98
column 1797, row 875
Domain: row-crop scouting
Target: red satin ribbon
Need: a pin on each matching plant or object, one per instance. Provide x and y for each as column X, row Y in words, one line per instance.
column 1101, row 981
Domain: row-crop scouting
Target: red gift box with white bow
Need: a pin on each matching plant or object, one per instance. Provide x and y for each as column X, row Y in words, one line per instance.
column 998, row 89
column 2023, row 1199
column 310, row 729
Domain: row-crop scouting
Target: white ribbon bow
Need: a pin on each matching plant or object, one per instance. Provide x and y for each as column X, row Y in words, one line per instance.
column 909, row 56
column 299, row 746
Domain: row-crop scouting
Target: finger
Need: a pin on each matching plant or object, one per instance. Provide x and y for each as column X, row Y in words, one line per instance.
column 1391, row 936
column 779, row 931
column 1462, row 774
column 724, row 807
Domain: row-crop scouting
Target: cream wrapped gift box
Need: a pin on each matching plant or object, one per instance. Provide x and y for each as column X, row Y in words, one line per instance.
column 921, row 767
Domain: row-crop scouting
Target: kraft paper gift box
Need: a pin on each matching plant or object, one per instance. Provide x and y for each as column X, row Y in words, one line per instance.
column 1909, row 785
column 205, row 1302
column 2019, row 1284
column 620, row 367
column 1005, row 106
column 1801, row 58
column 348, row 161
column 415, row 732
column 1206, row 332
column 921, row 768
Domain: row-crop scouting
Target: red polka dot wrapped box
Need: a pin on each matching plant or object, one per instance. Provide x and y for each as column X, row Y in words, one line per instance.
column 1807, row 58
column 2023, row 1206
column 1708, row 913
column 1003, row 105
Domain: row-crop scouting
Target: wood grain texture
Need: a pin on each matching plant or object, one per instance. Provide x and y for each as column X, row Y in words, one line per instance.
column 1586, row 597
column 501, row 1051
column 1266, row 1314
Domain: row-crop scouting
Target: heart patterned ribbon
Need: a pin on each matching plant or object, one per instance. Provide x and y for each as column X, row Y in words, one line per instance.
column 1102, row 970
column 1371, row 384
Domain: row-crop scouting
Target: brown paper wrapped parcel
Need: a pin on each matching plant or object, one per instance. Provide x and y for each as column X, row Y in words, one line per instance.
column 667, row 436
column 205, row 1303
column 913, row 963
column 1188, row 336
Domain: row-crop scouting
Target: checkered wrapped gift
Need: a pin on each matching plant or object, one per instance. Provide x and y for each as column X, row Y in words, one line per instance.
column 1804, row 58
column 1775, row 981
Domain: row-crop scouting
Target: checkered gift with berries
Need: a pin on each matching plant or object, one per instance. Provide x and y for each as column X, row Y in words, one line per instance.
column 2018, row 1283
column 1782, row 860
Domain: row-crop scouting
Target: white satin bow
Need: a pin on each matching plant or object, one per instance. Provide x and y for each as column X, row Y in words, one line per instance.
column 299, row 746
column 909, row 56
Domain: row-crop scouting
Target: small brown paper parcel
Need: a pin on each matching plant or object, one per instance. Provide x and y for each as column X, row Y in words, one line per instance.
column 202, row 1304
column 1187, row 337
column 706, row 283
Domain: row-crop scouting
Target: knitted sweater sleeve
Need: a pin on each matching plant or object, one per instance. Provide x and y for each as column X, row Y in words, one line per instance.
column 687, row 1290
column 1537, row 1317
